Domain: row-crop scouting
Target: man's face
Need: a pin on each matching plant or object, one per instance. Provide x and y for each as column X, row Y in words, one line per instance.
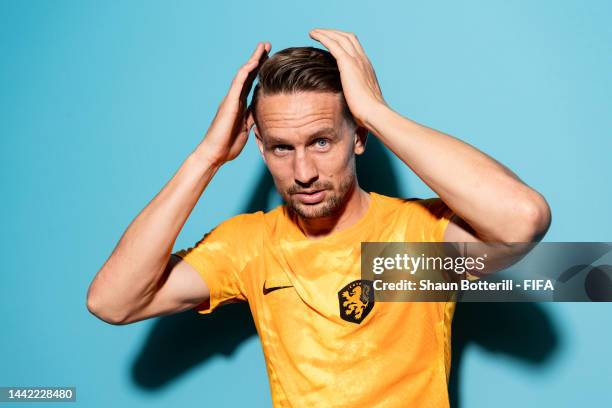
column 309, row 148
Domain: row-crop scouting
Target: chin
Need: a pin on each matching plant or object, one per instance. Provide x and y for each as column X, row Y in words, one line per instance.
column 322, row 209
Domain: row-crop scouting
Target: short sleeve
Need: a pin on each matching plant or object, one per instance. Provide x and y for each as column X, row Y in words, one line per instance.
column 439, row 218
column 439, row 215
column 220, row 256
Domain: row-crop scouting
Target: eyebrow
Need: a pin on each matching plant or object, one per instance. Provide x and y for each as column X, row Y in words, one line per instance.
column 327, row 132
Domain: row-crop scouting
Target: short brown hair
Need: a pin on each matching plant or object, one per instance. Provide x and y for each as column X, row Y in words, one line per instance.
column 298, row 69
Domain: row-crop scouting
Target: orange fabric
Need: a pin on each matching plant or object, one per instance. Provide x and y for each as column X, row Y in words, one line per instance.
column 398, row 355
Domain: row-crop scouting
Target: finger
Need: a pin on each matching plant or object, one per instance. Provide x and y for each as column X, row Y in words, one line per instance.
column 343, row 39
column 244, row 70
column 239, row 80
column 352, row 37
column 332, row 45
column 244, row 78
column 248, row 83
column 343, row 43
column 257, row 53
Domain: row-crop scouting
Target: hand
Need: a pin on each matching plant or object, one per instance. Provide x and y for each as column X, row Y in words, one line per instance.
column 359, row 83
column 233, row 121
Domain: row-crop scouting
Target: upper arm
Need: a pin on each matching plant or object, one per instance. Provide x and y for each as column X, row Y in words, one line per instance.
column 498, row 255
column 181, row 288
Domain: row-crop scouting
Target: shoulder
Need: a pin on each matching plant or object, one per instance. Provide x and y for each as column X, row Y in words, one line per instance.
column 420, row 219
column 249, row 226
column 244, row 220
column 237, row 238
column 275, row 219
column 240, row 228
column 424, row 207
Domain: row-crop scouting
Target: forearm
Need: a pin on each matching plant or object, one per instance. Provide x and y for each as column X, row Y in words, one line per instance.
column 133, row 273
column 487, row 195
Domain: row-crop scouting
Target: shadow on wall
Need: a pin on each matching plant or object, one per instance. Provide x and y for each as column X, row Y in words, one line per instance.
column 524, row 331
column 179, row 342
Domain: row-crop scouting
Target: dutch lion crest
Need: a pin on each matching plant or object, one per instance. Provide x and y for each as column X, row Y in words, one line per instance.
column 356, row 300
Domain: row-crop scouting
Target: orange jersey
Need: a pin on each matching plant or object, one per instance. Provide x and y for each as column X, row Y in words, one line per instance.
column 322, row 347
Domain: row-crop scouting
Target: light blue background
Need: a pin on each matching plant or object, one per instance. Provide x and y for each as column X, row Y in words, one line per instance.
column 100, row 102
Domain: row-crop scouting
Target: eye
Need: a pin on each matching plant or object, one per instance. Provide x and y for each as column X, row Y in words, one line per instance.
column 322, row 143
column 281, row 149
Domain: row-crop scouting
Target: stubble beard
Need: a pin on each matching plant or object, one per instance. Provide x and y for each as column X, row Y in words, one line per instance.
column 331, row 205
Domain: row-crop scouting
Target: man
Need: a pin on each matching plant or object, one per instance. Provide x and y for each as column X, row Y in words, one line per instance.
column 298, row 265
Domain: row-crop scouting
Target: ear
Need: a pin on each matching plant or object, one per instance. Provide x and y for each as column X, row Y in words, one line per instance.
column 259, row 141
column 250, row 118
column 361, row 138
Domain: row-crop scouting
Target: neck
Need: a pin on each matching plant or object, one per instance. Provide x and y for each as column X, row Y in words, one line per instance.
column 353, row 209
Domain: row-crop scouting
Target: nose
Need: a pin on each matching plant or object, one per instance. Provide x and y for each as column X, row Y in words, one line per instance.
column 304, row 169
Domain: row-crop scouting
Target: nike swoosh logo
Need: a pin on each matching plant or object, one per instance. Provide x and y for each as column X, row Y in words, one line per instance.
column 268, row 290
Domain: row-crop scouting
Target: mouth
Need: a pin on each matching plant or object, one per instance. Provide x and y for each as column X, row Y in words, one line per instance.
column 311, row 197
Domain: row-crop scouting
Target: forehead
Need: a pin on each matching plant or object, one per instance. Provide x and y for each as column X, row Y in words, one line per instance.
column 301, row 113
